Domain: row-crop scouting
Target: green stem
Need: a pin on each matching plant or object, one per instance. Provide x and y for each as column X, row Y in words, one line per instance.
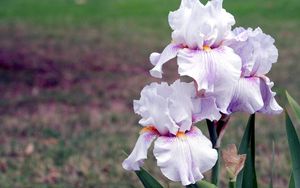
column 216, row 170
column 232, row 184
column 214, row 137
column 212, row 132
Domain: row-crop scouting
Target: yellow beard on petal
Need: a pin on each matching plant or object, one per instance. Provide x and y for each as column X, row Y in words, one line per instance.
column 149, row 128
column 206, row 48
column 180, row 134
column 152, row 129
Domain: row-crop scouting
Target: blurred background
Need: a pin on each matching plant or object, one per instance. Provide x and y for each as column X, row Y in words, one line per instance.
column 69, row 70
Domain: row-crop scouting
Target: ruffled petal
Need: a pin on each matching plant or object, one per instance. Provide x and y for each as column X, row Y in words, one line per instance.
column 205, row 108
column 270, row 104
column 180, row 104
column 179, row 17
column 184, row 158
column 139, row 153
column 168, row 108
column 212, row 27
column 159, row 59
column 154, row 108
column 256, row 49
column 179, row 21
column 239, row 34
column 216, row 71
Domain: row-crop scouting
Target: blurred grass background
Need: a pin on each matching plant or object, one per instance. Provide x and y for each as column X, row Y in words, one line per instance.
column 69, row 70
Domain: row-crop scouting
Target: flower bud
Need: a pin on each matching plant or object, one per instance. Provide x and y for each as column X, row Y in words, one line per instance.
column 234, row 162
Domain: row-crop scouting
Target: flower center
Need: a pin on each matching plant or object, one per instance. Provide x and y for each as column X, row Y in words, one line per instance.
column 152, row 129
column 206, row 48
column 149, row 128
column 180, row 134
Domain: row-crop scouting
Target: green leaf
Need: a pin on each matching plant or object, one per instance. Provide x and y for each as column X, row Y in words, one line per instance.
column 147, row 179
column 232, row 184
column 247, row 147
column 201, row 184
column 294, row 147
column 216, row 170
column 292, row 181
column 294, row 105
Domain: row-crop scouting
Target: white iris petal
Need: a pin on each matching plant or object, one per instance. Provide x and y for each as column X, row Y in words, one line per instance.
column 168, row 113
column 194, row 155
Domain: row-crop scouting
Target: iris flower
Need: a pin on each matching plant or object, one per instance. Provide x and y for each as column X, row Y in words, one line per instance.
column 168, row 114
column 253, row 92
column 229, row 66
column 229, row 71
column 199, row 40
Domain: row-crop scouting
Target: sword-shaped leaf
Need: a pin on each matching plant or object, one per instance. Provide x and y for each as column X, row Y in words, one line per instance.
column 294, row 147
column 202, row 184
column 147, row 179
column 247, row 147
column 294, row 105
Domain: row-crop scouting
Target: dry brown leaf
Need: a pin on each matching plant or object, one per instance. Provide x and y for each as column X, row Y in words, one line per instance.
column 234, row 162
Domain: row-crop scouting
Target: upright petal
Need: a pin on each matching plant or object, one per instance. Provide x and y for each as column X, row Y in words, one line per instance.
column 223, row 22
column 153, row 106
column 179, row 17
column 216, row 71
column 256, row 49
column 212, row 26
column 159, row 59
column 136, row 159
column 184, row 158
column 179, row 20
column 168, row 108
column 180, row 104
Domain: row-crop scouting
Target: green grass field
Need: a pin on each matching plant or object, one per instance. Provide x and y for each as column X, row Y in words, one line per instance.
column 70, row 71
